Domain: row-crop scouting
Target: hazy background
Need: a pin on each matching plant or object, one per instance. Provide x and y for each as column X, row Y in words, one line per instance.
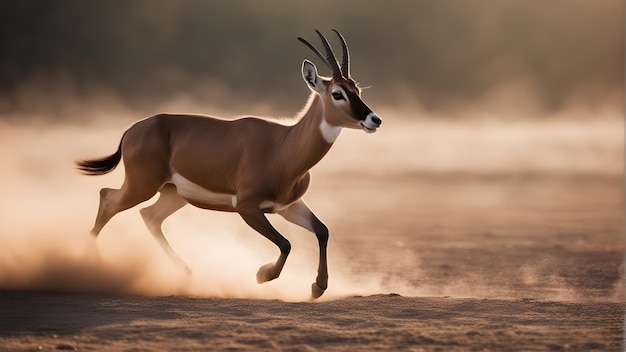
column 243, row 57
column 502, row 127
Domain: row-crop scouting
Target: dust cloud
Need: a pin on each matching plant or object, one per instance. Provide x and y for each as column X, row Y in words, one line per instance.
column 48, row 209
column 470, row 109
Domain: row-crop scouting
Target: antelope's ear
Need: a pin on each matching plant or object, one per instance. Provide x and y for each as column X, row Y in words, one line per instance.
column 312, row 79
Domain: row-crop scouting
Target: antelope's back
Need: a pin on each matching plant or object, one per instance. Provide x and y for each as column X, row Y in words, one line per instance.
column 208, row 151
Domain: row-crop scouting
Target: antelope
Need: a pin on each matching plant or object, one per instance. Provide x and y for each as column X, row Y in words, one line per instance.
column 250, row 165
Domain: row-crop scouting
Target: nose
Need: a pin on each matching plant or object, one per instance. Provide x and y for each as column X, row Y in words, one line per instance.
column 377, row 120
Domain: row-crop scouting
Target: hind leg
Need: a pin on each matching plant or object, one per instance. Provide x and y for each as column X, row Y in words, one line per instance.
column 153, row 216
column 104, row 210
column 113, row 201
column 146, row 167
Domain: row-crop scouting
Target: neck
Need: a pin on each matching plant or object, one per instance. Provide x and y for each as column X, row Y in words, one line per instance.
column 311, row 137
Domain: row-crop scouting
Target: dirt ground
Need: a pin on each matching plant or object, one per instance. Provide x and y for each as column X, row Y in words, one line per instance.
column 421, row 258
column 33, row 321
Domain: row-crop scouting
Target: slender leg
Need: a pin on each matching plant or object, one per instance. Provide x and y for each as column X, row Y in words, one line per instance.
column 255, row 218
column 153, row 216
column 112, row 201
column 105, row 213
column 300, row 214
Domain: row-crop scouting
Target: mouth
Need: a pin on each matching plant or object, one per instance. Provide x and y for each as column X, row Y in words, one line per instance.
column 367, row 129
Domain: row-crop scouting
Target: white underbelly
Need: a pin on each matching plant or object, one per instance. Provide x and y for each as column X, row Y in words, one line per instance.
column 272, row 206
column 196, row 193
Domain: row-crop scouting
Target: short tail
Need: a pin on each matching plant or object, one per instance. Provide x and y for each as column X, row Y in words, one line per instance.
column 101, row 166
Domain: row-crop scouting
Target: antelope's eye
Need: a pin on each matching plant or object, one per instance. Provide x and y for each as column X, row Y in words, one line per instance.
column 337, row 95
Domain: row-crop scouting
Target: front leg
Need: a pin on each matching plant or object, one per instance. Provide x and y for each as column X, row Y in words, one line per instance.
column 254, row 217
column 300, row 214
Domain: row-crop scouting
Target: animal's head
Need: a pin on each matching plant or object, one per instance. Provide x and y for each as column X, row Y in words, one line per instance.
column 341, row 95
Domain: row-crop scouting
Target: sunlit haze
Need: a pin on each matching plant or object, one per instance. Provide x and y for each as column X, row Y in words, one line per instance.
column 479, row 100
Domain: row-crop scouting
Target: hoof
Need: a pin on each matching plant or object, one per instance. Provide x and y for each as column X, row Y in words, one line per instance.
column 265, row 273
column 316, row 291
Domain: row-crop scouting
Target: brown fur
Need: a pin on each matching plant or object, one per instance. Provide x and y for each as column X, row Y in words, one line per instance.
column 262, row 164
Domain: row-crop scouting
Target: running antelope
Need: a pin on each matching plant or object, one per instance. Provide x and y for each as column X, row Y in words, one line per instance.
column 250, row 165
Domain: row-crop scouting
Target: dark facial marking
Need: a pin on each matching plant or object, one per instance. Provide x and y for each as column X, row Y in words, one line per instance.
column 358, row 107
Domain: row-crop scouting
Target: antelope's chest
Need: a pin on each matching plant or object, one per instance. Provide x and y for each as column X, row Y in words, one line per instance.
column 284, row 197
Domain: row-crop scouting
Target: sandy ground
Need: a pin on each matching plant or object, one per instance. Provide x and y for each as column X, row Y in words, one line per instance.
column 515, row 243
column 378, row 322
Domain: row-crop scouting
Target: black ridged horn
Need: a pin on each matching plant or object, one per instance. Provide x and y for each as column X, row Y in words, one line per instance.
column 345, row 62
column 317, row 52
column 329, row 60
